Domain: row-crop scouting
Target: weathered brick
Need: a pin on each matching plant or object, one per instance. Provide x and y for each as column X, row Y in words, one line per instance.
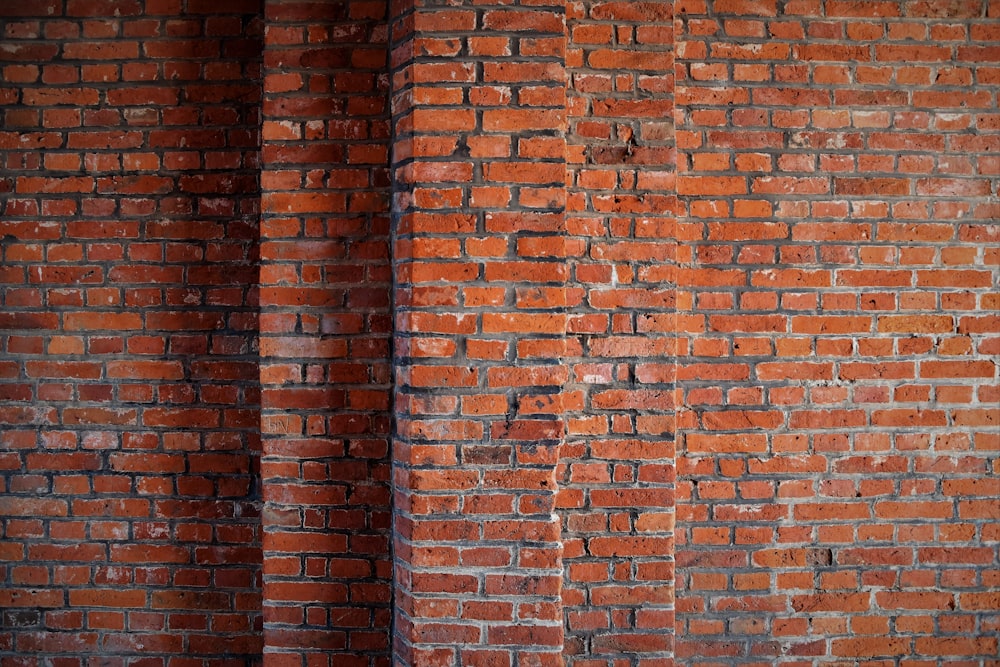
column 103, row 371
column 849, row 327
column 549, row 245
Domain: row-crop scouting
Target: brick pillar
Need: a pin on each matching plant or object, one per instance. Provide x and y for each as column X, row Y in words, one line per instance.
column 325, row 335
column 479, row 261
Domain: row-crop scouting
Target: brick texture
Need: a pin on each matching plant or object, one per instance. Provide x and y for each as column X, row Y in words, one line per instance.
column 325, row 334
column 836, row 164
column 479, row 260
column 128, row 317
column 499, row 333
column 617, row 469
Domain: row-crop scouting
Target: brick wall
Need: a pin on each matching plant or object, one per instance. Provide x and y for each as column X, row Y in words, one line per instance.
column 128, row 309
column 593, row 333
column 617, row 468
column 479, row 169
column 838, row 173
column 325, row 334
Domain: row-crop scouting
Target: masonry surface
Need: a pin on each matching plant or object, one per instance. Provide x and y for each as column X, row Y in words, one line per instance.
column 349, row 333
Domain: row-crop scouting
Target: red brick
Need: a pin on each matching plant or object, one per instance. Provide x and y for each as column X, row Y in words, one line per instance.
column 780, row 223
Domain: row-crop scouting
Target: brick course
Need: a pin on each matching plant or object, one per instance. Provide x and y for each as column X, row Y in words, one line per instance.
column 598, row 333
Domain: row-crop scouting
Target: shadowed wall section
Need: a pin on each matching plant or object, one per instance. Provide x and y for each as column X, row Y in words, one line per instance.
column 325, row 374
column 128, row 317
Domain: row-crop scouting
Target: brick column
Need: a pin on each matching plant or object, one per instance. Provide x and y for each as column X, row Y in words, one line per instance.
column 479, row 177
column 325, row 334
